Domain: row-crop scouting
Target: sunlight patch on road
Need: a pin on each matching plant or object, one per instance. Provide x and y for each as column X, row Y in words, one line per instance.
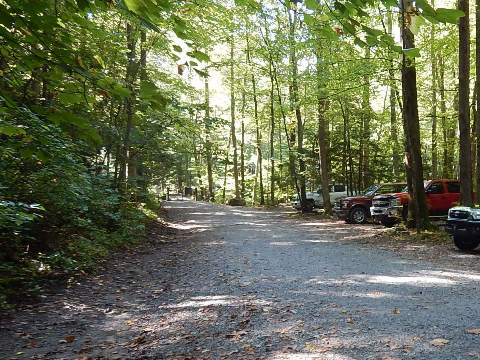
column 356, row 237
column 212, row 243
column 309, row 356
column 326, row 224
column 408, row 280
column 334, row 281
column 317, row 241
column 189, row 225
column 251, row 224
column 459, row 275
column 464, row 256
column 214, row 300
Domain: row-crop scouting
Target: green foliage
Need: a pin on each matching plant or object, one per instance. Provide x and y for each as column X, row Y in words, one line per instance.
column 75, row 164
column 78, row 251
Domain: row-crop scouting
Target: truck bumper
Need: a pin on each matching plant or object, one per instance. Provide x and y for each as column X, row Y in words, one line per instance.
column 386, row 213
column 471, row 227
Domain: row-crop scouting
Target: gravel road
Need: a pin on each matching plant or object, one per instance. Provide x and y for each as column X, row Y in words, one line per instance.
column 240, row 283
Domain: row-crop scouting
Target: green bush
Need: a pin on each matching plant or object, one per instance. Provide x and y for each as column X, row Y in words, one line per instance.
column 58, row 214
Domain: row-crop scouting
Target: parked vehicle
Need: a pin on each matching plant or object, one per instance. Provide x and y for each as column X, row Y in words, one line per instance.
column 463, row 223
column 441, row 195
column 315, row 199
column 356, row 209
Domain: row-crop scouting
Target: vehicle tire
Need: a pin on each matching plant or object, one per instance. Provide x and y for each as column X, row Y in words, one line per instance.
column 388, row 222
column 465, row 242
column 309, row 206
column 358, row 215
column 405, row 213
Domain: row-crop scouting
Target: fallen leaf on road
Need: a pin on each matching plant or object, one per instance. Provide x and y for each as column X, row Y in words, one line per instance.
column 137, row 341
column 248, row 349
column 69, row 338
column 439, row 342
column 396, row 311
column 235, row 335
column 474, row 331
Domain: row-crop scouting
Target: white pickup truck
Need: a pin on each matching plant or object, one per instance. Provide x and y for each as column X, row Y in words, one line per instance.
column 315, row 199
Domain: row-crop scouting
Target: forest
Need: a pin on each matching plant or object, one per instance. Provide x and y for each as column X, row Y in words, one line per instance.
column 106, row 104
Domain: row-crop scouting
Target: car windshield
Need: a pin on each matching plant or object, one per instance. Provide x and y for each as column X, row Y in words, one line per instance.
column 390, row 188
column 370, row 190
column 425, row 183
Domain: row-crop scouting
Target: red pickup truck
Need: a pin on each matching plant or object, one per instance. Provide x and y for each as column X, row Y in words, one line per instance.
column 356, row 209
column 442, row 194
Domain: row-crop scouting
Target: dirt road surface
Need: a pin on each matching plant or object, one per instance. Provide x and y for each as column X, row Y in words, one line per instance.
column 241, row 283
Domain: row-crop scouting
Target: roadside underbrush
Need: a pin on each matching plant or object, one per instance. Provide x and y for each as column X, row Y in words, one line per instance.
column 435, row 235
column 70, row 252
column 61, row 210
column 433, row 244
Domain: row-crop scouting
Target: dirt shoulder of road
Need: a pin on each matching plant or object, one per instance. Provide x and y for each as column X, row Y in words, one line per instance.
column 432, row 245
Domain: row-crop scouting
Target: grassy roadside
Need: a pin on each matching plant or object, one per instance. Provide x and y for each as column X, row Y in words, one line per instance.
column 80, row 252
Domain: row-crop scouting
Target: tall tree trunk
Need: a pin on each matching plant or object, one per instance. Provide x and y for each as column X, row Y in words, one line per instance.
column 361, row 147
column 366, row 115
column 208, row 143
column 322, row 104
column 434, row 102
column 292, row 18
column 225, row 172
column 242, row 146
column 291, row 159
column 346, row 127
column 129, row 106
column 396, row 159
column 272, row 137
column 116, row 165
column 232, row 115
column 136, row 160
column 410, row 114
column 477, row 76
column 465, row 160
column 257, row 128
column 345, row 157
column 473, row 137
column 447, row 156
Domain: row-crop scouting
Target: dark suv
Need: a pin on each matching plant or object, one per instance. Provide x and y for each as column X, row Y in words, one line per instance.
column 464, row 224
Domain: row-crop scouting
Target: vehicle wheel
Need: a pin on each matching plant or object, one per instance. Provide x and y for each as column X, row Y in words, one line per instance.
column 388, row 222
column 405, row 213
column 309, row 206
column 465, row 242
column 358, row 215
